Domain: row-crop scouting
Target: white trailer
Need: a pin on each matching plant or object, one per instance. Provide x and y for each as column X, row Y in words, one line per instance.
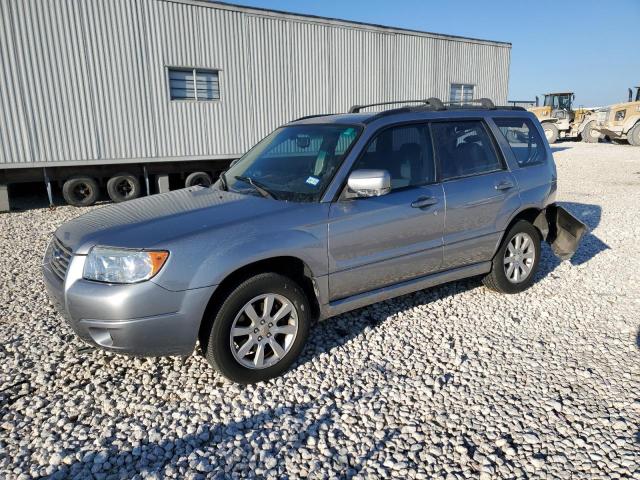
column 141, row 92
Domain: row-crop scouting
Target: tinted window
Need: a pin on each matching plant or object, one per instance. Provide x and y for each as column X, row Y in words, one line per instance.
column 405, row 152
column 524, row 139
column 464, row 148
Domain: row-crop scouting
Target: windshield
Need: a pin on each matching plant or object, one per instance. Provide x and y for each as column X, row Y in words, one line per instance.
column 294, row 163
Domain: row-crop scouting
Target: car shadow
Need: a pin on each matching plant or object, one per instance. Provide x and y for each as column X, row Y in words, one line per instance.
column 214, row 450
column 560, row 149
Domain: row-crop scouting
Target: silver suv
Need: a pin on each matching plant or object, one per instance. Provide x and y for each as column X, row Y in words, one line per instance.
column 327, row 214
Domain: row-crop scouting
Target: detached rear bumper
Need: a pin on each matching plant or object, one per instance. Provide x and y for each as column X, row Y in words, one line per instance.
column 139, row 319
column 562, row 231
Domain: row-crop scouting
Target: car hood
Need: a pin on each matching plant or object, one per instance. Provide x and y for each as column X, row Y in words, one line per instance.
column 155, row 220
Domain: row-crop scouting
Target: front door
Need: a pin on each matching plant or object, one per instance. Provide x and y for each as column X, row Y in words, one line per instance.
column 379, row 241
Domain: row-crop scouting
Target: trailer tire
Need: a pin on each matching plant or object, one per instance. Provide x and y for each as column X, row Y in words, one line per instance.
column 198, row 179
column 123, row 187
column 590, row 134
column 633, row 136
column 551, row 132
column 80, row 191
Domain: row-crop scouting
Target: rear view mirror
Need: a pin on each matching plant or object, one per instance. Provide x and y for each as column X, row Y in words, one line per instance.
column 303, row 141
column 369, row 183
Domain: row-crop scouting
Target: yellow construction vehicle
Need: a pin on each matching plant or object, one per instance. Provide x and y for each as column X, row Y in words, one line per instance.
column 560, row 120
column 622, row 120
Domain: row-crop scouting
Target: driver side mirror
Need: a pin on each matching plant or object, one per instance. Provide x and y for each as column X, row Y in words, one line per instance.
column 368, row 183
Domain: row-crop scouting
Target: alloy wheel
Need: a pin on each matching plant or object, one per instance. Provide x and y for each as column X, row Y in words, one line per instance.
column 263, row 331
column 519, row 258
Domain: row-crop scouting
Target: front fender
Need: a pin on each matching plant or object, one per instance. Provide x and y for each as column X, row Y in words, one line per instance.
column 561, row 230
column 630, row 122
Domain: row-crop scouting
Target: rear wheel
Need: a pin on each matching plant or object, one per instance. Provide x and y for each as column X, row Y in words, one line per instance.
column 634, row 135
column 551, row 132
column 123, row 187
column 590, row 134
column 259, row 330
column 80, row 191
column 516, row 262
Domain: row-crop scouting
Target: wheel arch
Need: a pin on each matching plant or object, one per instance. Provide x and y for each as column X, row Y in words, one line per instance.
column 289, row 266
column 534, row 215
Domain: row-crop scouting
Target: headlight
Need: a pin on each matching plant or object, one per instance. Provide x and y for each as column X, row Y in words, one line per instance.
column 115, row 265
column 620, row 114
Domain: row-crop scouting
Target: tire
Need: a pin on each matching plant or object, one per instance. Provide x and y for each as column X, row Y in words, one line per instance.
column 123, row 187
column 226, row 354
column 590, row 134
column 633, row 135
column 198, row 178
column 551, row 132
column 80, row 191
column 498, row 278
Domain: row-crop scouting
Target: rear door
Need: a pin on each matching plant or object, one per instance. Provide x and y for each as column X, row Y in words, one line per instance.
column 481, row 193
column 378, row 241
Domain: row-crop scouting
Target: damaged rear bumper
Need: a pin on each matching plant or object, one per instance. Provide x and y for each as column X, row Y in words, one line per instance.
column 561, row 230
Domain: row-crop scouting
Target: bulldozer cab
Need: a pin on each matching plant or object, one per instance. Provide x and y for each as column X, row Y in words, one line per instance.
column 559, row 101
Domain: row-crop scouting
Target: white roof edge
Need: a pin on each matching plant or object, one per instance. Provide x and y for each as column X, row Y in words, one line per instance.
column 336, row 21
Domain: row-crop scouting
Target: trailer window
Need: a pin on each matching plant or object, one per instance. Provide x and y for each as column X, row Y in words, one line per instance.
column 461, row 92
column 525, row 141
column 193, row 84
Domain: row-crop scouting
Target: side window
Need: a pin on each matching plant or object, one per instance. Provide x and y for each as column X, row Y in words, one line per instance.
column 405, row 152
column 464, row 148
column 524, row 139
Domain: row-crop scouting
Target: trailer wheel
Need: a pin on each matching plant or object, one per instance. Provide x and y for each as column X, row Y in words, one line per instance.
column 590, row 134
column 551, row 132
column 80, row 191
column 198, row 179
column 633, row 136
column 123, row 187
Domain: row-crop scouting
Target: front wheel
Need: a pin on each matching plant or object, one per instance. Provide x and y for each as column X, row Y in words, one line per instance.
column 259, row 329
column 516, row 261
column 551, row 132
column 590, row 134
column 633, row 136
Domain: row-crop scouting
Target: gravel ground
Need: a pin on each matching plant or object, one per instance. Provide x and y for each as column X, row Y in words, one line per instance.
column 452, row 382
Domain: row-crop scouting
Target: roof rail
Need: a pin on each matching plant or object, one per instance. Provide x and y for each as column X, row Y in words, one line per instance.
column 312, row 116
column 434, row 102
column 484, row 103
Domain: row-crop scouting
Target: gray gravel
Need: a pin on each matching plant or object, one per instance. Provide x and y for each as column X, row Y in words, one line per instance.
column 452, row 382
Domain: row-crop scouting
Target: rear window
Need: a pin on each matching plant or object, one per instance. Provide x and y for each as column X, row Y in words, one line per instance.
column 464, row 148
column 525, row 141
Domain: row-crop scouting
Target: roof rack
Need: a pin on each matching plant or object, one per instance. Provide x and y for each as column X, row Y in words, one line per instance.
column 433, row 102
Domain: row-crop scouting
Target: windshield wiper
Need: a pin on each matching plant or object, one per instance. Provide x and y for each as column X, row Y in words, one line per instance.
column 260, row 188
column 223, row 182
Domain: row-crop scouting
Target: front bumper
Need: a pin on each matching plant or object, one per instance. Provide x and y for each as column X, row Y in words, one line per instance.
column 139, row 319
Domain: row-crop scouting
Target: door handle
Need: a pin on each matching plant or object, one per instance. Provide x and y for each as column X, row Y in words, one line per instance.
column 424, row 202
column 504, row 185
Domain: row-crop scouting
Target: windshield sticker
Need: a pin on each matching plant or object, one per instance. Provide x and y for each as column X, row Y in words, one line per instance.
column 313, row 181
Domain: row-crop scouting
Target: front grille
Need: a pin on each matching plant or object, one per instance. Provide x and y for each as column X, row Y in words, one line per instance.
column 59, row 257
column 603, row 116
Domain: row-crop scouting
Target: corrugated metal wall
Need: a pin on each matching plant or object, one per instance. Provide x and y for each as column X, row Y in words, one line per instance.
column 86, row 79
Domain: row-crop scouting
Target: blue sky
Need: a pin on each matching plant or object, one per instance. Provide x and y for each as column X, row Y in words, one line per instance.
column 591, row 46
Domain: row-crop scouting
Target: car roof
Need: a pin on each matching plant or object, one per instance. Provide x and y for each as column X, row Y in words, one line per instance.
column 399, row 115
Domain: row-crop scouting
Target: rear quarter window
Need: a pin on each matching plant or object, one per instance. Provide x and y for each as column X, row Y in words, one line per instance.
column 523, row 138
